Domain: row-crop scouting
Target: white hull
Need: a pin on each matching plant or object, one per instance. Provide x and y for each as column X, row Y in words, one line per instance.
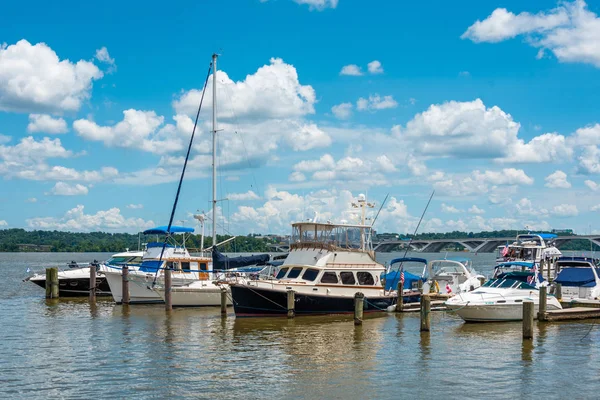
column 195, row 295
column 490, row 313
column 139, row 291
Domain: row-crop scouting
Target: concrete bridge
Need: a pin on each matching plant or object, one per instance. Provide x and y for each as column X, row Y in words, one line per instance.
column 474, row 245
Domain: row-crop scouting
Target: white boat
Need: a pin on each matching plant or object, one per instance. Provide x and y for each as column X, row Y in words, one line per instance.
column 530, row 247
column 579, row 278
column 74, row 281
column 499, row 299
column 157, row 256
column 451, row 276
column 327, row 265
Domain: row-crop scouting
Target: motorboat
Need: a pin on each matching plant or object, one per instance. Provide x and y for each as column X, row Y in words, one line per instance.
column 399, row 269
column 538, row 248
column 74, row 281
column 451, row 276
column 158, row 256
column 327, row 265
column 579, row 278
column 500, row 299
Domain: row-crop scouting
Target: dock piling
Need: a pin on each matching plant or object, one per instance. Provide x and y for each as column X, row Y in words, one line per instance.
column 543, row 303
column 52, row 283
column 558, row 291
column 400, row 303
column 420, row 285
column 359, row 304
column 291, row 304
column 223, row 301
column 528, row 313
column 168, row 301
column 125, row 285
column 425, row 313
column 92, row 282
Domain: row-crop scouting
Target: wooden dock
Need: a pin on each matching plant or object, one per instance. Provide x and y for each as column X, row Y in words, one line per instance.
column 572, row 313
column 436, row 305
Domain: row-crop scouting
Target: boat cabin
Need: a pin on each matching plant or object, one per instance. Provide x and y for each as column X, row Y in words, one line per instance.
column 331, row 236
column 319, row 276
column 578, row 277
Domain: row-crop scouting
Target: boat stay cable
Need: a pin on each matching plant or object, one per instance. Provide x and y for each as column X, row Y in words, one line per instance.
column 187, row 156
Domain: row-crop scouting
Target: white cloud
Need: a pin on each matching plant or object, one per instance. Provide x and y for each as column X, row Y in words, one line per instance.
column 548, row 147
column 342, row 111
column 135, row 206
column 570, row 31
column 3, row 223
column 449, row 209
column 306, row 137
column 138, row 130
column 34, row 79
column 587, row 136
column 595, row 208
column 525, row 207
column 76, row 220
column 385, row 164
column 31, row 200
column 375, row 67
column 589, row 160
column 475, row 210
column 481, row 182
column 297, row 177
column 565, row 210
column 592, row 185
column 45, row 123
column 64, row 189
column 352, row 70
column 557, row 179
column 4, row 139
column 325, row 162
column 249, row 195
column 103, row 56
column 318, row 5
column 376, row 102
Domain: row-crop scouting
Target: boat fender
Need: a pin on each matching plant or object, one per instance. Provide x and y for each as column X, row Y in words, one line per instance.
column 436, row 286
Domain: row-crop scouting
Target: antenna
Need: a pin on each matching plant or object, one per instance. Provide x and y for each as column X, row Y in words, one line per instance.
column 417, row 228
column 382, row 204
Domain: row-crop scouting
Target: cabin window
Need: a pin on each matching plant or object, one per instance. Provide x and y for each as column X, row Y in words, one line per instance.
column 185, row 266
column 281, row 273
column 294, row 272
column 310, row 274
column 171, row 265
column 365, row 278
column 347, row 278
column 329, row 277
column 203, row 267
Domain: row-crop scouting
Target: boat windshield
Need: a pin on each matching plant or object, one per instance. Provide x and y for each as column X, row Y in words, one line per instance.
column 442, row 267
column 340, row 236
column 508, row 284
column 117, row 260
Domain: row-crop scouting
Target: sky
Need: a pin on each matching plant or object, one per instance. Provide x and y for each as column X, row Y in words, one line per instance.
column 493, row 105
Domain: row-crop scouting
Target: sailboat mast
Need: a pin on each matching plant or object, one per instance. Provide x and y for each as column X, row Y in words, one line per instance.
column 214, row 151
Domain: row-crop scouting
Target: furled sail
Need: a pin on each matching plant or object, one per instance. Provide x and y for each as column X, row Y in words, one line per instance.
column 221, row 261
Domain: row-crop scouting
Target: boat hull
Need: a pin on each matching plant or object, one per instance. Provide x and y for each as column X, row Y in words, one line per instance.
column 494, row 313
column 77, row 287
column 140, row 291
column 251, row 301
column 183, row 296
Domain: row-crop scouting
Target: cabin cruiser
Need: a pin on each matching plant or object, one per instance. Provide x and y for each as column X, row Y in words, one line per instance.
column 500, row 299
column 327, row 265
column 410, row 287
column 532, row 247
column 74, row 280
column 158, row 256
column 579, row 278
column 451, row 276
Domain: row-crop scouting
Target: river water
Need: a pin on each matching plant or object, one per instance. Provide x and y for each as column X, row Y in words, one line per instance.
column 71, row 349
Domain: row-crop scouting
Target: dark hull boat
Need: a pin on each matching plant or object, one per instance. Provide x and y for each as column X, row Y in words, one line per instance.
column 77, row 287
column 261, row 302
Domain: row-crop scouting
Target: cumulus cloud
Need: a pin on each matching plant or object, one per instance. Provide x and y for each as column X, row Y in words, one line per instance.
column 526, row 207
column 103, row 56
column 249, row 195
column 297, row 177
column 376, row 102
column 375, row 67
column 481, row 182
column 475, row 210
column 342, row 111
column 135, row 206
column 592, row 185
column 45, row 123
column 31, row 200
column 565, row 210
column 449, row 209
column 570, row 31
column 65, row 189
column 318, row 5
column 34, row 79
column 351, row 70
column 76, row 220
column 589, row 160
column 557, row 179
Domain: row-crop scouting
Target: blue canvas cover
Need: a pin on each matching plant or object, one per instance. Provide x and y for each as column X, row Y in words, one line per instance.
column 163, row 230
column 393, row 277
column 150, row 265
column 580, row 277
column 221, row 261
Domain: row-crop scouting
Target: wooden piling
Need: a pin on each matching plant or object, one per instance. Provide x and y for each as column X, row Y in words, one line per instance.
column 125, row 285
column 425, row 313
column 359, row 299
column 48, row 285
column 52, row 283
column 291, row 304
column 558, row 291
column 528, row 313
column 420, row 285
column 400, row 303
column 92, row 282
column 223, row 301
column 168, row 283
column 543, row 303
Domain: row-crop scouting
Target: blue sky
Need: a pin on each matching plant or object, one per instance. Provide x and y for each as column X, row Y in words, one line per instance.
column 492, row 104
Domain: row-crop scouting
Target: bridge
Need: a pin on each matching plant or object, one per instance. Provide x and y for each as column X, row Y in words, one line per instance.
column 474, row 245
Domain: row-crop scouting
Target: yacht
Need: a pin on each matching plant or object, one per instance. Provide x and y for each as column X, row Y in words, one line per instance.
column 500, row 299
column 531, row 247
column 158, row 256
column 451, row 276
column 327, row 265
column 74, row 280
column 579, row 278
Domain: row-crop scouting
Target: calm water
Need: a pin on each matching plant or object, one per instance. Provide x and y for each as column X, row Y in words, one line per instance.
column 70, row 349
